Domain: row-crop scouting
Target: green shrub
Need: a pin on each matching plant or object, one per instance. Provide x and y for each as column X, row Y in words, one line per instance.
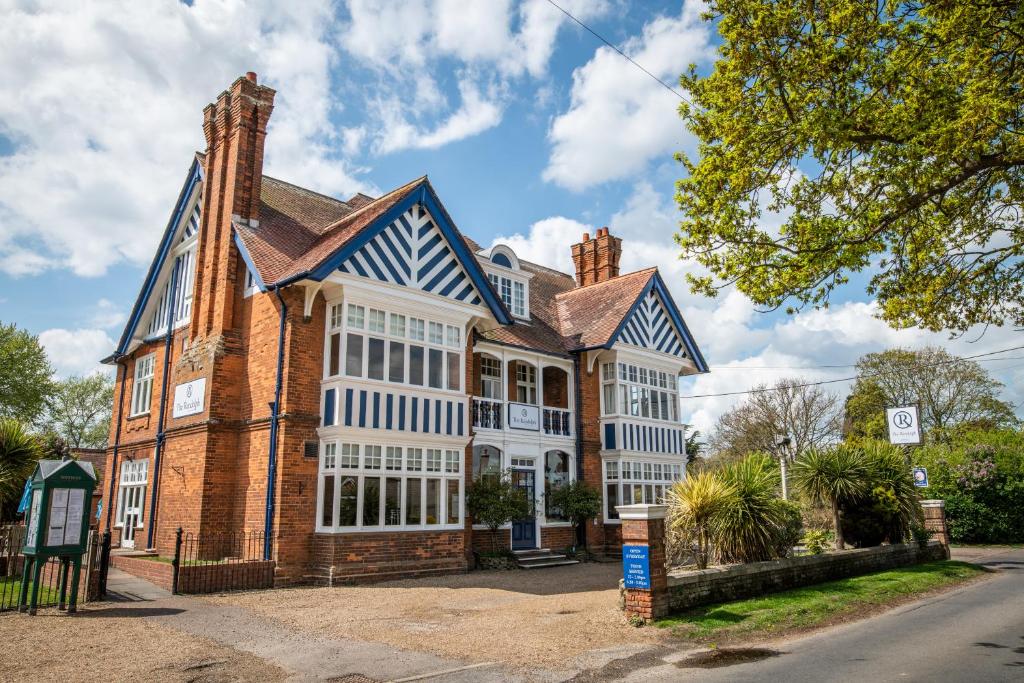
column 19, row 452
column 791, row 531
column 578, row 501
column 817, row 541
column 494, row 500
column 750, row 524
column 695, row 504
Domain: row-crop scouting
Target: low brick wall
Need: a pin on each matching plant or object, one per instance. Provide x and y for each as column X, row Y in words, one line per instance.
column 201, row 578
column 688, row 589
column 359, row 558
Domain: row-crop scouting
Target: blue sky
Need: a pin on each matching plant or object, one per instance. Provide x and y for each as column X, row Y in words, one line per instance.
column 531, row 130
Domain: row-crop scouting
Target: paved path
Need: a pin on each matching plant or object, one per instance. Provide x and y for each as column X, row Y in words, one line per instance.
column 975, row 633
column 123, row 587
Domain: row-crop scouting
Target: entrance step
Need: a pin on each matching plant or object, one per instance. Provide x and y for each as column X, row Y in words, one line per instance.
column 541, row 557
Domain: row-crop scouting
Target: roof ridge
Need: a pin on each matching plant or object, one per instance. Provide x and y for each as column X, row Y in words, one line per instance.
column 351, row 216
column 617, row 278
column 548, row 269
column 306, row 189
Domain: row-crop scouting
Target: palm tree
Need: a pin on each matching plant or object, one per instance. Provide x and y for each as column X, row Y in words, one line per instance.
column 19, row 452
column 695, row 504
column 831, row 476
column 887, row 468
column 747, row 528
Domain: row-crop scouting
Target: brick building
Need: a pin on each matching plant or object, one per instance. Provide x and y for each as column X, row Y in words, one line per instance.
column 336, row 372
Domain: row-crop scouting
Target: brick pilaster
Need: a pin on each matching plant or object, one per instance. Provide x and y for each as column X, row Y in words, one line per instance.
column 935, row 521
column 644, row 525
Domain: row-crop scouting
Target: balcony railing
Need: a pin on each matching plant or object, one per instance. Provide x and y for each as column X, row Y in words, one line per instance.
column 487, row 413
column 557, row 422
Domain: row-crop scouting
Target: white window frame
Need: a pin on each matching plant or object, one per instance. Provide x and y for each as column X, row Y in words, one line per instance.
column 625, row 377
column 415, row 460
column 133, row 475
column 142, row 385
column 653, row 476
column 357, row 321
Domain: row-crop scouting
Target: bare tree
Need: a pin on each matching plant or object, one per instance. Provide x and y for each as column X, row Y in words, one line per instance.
column 807, row 416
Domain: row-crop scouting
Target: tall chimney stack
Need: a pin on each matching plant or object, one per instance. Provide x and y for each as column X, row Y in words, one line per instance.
column 596, row 259
column 235, row 127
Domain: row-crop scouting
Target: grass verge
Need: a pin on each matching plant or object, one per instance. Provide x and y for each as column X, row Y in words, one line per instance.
column 814, row 606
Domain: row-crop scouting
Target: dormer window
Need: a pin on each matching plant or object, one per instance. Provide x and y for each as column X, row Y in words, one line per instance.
column 509, row 282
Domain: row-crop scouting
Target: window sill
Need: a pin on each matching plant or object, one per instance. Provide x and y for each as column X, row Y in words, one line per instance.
column 390, row 529
column 139, row 415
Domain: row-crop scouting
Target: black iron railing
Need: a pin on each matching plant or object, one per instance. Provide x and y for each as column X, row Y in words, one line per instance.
column 210, row 562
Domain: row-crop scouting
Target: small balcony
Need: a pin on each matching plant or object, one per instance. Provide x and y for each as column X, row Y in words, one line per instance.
column 519, row 396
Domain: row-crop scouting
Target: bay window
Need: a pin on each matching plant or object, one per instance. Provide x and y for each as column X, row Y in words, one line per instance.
column 638, row 392
column 393, row 347
column 368, row 487
column 633, row 481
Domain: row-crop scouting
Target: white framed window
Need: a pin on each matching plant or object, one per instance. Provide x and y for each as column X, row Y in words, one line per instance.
column 391, row 347
column 526, row 383
column 490, row 378
column 512, row 292
column 630, row 481
column 131, row 492
column 402, row 495
column 337, row 316
column 142, row 386
column 638, row 392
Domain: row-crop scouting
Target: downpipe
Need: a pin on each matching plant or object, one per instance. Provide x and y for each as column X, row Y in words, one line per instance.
column 112, row 475
column 168, row 340
column 274, row 418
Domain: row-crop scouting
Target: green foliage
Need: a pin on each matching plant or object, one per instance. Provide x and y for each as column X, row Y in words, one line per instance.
column 818, row 541
column 791, row 528
column 577, row 500
column 732, row 514
column 980, row 475
column 24, row 375
column 951, row 393
column 695, row 504
column 494, row 500
column 920, row 534
column 886, row 137
column 749, row 527
column 19, row 452
column 79, row 410
column 831, row 476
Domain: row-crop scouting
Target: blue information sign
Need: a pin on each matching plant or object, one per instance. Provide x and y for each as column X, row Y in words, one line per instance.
column 921, row 477
column 636, row 566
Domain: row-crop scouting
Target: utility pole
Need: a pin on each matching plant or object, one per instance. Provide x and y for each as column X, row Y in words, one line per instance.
column 782, row 447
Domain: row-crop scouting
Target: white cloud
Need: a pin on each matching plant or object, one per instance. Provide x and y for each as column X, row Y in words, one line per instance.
column 548, row 242
column 413, row 45
column 106, row 315
column 76, row 352
column 104, row 110
column 620, row 118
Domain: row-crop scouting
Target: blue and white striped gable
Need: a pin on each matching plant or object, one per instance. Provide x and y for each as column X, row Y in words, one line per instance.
column 650, row 327
column 654, row 323
column 412, row 251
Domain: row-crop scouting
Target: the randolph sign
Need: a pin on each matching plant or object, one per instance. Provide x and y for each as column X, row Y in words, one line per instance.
column 523, row 416
column 904, row 425
column 188, row 397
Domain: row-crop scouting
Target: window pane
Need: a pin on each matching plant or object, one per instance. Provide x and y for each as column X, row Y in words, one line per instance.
column 393, row 461
column 609, row 399
column 336, row 313
column 349, row 492
column 433, row 501
column 664, row 406
column 416, row 365
column 454, row 371
column 375, row 366
column 327, row 509
column 371, row 458
column 416, row 329
column 392, row 501
column 454, row 502
column 436, row 368
column 413, row 504
column 335, row 354
column 350, row 456
column 433, row 460
column 371, row 501
column 655, row 405
column 612, row 494
column 519, row 299
column 452, row 461
column 356, row 314
column 354, row 355
column 556, row 475
column 645, row 402
column 634, row 401
column 486, row 461
column 397, row 325
column 414, row 459
column 376, row 321
column 454, row 335
column 436, row 333
column 396, row 362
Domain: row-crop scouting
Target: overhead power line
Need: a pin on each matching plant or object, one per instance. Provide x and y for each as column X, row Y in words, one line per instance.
column 763, row 390
column 748, row 368
column 624, row 55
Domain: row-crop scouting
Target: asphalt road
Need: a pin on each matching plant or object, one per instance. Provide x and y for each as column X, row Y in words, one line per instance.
column 975, row 633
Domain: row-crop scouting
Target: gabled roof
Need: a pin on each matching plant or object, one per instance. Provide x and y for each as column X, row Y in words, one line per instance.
column 194, row 177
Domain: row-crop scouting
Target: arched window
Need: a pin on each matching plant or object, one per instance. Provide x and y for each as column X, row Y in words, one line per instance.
column 486, row 461
column 556, row 475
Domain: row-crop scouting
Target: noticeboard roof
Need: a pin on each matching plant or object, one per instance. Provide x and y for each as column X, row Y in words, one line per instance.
column 48, row 468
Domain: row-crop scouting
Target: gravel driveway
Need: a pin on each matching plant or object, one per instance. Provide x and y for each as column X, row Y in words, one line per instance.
column 549, row 618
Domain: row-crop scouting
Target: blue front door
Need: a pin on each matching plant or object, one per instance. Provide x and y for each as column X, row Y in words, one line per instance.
column 524, row 531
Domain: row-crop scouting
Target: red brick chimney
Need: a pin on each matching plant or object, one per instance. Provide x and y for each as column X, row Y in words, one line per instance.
column 235, row 128
column 596, row 259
